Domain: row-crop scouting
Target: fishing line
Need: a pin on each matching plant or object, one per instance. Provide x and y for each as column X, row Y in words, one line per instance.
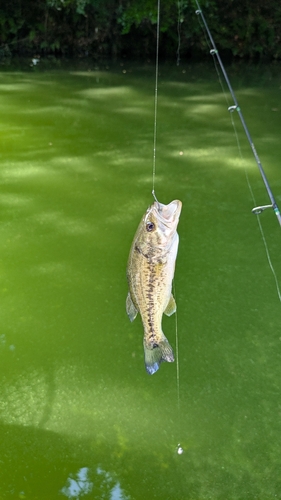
column 212, row 52
column 257, row 214
column 256, row 210
column 177, row 349
column 179, row 448
column 180, row 20
column 156, row 100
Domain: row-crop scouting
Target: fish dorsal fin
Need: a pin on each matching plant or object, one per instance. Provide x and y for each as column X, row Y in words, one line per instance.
column 171, row 307
column 130, row 308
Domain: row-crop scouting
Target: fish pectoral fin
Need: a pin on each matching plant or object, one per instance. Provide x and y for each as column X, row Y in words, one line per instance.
column 171, row 307
column 157, row 353
column 130, row 308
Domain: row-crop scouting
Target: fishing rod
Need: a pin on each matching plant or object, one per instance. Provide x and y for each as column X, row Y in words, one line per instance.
column 214, row 52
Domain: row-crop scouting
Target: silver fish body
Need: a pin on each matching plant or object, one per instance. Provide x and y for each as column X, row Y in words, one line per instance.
column 150, row 273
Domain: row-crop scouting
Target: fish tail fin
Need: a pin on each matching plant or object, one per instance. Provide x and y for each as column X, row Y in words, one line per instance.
column 154, row 355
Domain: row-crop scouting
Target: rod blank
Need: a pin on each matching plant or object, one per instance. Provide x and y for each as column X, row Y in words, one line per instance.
column 214, row 51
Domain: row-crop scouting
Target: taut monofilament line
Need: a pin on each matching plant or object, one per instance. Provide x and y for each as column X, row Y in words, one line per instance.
column 214, row 52
column 155, row 101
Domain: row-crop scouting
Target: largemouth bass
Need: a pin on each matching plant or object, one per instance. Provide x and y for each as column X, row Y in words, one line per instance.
column 150, row 273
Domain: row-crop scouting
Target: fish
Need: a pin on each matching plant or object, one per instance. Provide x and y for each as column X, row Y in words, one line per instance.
column 150, row 272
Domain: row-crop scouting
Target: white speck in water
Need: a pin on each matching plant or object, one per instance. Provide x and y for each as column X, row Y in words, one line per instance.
column 179, row 450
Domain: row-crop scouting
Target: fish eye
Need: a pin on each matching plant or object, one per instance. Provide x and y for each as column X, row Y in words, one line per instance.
column 149, row 226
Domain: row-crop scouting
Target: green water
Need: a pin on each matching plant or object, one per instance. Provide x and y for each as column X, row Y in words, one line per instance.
column 80, row 417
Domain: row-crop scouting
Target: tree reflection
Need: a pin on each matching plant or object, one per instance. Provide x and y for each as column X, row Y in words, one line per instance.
column 100, row 484
column 78, row 486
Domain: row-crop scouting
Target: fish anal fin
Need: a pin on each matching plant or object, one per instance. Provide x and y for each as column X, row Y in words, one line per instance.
column 153, row 356
column 130, row 308
column 171, row 307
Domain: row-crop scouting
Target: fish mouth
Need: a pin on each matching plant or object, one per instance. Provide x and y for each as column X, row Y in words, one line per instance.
column 168, row 213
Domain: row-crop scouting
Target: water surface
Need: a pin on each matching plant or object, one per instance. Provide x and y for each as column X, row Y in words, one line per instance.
column 79, row 415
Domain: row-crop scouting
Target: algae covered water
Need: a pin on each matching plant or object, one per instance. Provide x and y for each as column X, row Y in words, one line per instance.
column 79, row 415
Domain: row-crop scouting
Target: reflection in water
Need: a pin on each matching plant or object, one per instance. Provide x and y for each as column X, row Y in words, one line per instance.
column 103, row 485
column 78, row 486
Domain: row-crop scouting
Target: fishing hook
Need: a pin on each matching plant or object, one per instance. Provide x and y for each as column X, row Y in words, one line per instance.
column 154, row 196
